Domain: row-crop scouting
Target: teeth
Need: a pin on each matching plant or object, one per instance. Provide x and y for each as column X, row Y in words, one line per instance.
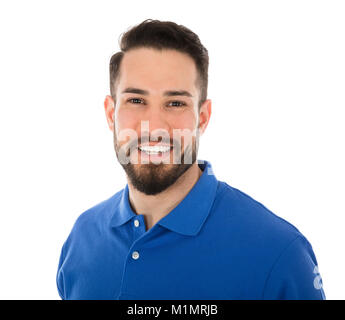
column 154, row 149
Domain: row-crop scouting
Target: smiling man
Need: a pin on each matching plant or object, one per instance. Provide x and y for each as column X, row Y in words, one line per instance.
column 175, row 231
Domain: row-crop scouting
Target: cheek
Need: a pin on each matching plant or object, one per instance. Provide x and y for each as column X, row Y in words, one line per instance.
column 125, row 119
column 125, row 127
column 184, row 129
column 187, row 120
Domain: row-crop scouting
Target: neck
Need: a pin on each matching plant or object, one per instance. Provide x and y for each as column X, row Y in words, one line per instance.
column 158, row 206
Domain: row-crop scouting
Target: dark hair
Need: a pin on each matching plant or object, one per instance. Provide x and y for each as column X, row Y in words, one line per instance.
column 163, row 35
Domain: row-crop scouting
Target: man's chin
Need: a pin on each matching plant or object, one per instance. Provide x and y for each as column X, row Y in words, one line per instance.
column 151, row 178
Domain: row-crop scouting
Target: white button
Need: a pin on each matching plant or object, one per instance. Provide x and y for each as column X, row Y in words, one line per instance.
column 136, row 223
column 135, row 255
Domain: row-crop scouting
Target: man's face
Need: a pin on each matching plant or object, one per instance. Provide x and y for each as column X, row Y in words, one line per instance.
column 164, row 113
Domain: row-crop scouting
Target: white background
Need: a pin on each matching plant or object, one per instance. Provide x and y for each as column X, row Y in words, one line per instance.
column 277, row 82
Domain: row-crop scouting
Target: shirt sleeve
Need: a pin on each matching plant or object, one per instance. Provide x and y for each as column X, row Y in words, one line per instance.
column 59, row 275
column 295, row 274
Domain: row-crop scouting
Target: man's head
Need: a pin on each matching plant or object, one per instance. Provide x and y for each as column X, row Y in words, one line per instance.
column 159, row 78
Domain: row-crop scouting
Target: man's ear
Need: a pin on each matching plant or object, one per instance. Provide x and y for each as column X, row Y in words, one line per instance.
column 109, row 108
column 204, row 115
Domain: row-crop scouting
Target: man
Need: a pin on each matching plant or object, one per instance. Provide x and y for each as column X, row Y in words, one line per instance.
column 175, row 231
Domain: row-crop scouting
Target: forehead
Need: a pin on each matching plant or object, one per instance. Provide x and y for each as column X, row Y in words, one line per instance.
column 157, row 71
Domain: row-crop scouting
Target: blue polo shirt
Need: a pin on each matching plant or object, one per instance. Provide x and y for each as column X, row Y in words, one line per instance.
column 217, row 244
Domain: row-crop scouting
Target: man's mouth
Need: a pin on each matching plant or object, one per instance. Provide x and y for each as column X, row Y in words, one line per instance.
column 155, row 150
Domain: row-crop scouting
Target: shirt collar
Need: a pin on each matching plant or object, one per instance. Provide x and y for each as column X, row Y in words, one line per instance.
column 122, row 211
column 189, row 215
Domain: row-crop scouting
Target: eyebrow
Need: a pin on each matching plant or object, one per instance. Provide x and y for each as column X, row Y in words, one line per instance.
column 168, row 93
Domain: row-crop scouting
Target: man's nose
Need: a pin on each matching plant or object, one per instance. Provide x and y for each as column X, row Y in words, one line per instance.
column 156, row 119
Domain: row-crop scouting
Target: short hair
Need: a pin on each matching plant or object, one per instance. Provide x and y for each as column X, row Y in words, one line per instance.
column 163, row 35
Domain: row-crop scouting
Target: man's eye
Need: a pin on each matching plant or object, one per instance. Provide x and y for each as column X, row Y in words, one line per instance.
column 177, row 103
column 135, row 100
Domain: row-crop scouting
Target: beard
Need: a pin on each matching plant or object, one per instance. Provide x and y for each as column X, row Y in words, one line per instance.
column 151, row 178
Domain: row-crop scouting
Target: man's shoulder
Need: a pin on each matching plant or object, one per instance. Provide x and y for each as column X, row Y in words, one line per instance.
column 99, row 214
column 252, row 218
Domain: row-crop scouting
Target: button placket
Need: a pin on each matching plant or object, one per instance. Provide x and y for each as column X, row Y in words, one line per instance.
column 138, row 227
column 136, row 256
